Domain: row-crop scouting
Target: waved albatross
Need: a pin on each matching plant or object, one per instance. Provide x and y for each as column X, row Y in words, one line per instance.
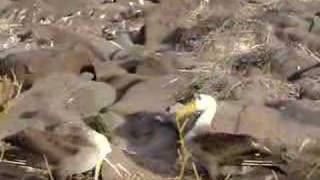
column 214, row 149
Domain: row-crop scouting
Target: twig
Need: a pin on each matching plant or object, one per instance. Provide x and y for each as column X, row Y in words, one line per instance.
column 116, row 44
column 184, row 124
column 170, row 82
column 124, row 169
column 3, row 149
column 13, row 162
column 195, row 70
column 312, row 171
column 228, row 177
column 308, row 51
column 257, row 46
column 275, row 175
column 304, row 144
column 183, row 152
column 195, row 171
column 113, row 167
column 258, row 162
column 48, row 167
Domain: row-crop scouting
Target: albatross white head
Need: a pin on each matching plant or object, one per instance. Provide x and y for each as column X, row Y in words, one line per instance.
column 204, row 103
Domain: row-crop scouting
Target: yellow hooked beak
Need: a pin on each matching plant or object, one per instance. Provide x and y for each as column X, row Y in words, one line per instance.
column 186, row 111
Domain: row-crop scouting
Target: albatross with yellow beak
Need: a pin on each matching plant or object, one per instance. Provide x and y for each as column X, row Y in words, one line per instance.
column 203, row 103
column 214, row 149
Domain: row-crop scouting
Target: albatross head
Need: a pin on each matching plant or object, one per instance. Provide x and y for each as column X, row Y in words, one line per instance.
column 102, row 144
column 203, row 103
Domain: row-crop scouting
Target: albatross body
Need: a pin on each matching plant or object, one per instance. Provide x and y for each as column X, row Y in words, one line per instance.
column 49, row 120
column 69, row 145
column 208, row 147
column 69, row 148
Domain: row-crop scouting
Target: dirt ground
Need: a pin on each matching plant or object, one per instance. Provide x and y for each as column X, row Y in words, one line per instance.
column 133, row 59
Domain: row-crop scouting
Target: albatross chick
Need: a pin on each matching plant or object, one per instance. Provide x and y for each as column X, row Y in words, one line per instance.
column 70, row 148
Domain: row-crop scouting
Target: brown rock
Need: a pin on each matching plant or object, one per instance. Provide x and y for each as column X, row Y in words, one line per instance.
column 65, row 38
column 55, row 98
column 286, row 62
column 162, row 20
column 310, row 88
column 108, row 70
column 32, row 65
column 90, row 98
column 151, row 96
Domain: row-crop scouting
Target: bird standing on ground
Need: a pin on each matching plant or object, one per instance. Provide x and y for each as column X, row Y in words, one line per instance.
column 213, row 149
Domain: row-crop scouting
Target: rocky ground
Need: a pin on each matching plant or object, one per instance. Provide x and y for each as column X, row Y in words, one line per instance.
column 120, row 64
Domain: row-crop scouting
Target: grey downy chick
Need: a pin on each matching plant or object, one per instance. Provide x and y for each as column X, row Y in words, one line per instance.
column 69, row 148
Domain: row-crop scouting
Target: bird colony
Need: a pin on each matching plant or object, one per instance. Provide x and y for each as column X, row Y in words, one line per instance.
column 159, row 89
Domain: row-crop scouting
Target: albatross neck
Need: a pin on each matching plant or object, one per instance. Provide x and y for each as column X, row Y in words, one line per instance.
column 101, row 143
column 203, row 122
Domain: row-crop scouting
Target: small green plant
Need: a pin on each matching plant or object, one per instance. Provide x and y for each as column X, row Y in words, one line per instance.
column 184, row 154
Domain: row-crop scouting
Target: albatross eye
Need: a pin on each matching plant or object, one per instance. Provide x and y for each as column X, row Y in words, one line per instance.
column 168, row 109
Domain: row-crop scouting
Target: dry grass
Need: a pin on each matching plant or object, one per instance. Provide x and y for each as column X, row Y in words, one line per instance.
column 10, row 89
column 48, row 167
column 7, row 28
